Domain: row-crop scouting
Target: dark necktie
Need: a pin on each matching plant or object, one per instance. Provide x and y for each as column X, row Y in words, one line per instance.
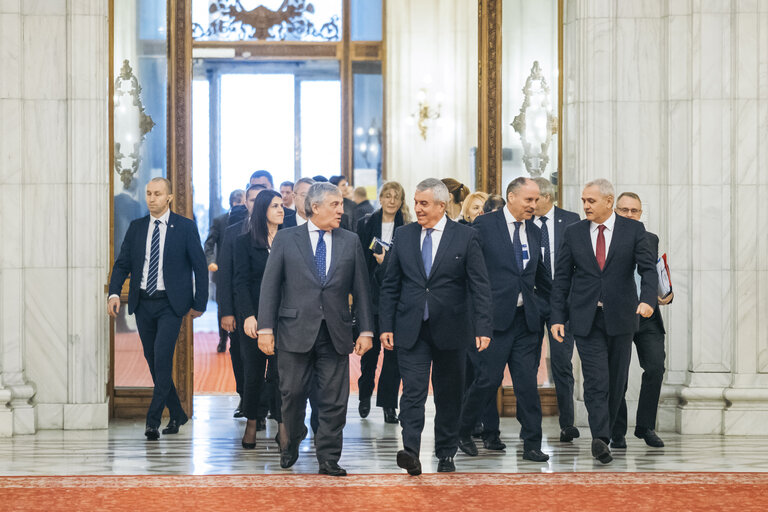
column 154, row 260
column 320, row 257
column 545, row 245
column 518, row 247
column 600, row 247
column 426, row 257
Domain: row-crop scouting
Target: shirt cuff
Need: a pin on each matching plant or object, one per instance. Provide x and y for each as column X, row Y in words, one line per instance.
column 367, row 333
column 113, row 295
column 264, row 331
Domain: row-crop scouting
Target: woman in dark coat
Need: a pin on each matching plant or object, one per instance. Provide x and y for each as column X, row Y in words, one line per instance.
column 380, row 225
column 251, row 253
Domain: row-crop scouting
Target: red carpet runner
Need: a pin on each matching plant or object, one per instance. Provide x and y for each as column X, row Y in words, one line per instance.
column 742, row 492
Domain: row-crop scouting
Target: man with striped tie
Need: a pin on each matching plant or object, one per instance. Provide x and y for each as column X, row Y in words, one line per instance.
column 161, row 252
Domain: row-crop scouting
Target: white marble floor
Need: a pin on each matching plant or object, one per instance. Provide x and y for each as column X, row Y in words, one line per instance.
column 210, row 444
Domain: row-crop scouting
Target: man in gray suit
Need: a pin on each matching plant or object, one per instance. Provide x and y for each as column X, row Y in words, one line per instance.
column 311, row 271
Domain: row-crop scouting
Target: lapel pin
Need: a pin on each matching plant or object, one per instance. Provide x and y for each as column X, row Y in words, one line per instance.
column 171, row 225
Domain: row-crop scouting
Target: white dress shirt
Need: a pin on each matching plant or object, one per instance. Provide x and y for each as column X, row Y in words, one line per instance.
column 607, row 233
column 314, row 236
column 300, row 221
column 387, row 231
column 550, row 215
column 523, row 241
column 437, row 235
column 163, row 227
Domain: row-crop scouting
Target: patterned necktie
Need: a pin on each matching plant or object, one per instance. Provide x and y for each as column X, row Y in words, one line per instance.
column 518, row 246
column 154, row 260
column 320, row 257
column 545, row 245
column 600, row 247
column 426, row 258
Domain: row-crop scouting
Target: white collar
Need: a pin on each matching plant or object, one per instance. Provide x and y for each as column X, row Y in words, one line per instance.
column 608, row 223
column 511, row 218
column 311, row 226
column 550, row 215
column 163, row 218
column 440, row 226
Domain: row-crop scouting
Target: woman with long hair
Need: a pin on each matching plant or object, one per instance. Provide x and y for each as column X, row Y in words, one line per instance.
column 251, row 253
column 376, row 231
column 459, row 193
column 472, row 207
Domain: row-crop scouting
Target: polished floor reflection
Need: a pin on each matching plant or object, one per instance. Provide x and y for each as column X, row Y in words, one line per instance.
column 210, row 444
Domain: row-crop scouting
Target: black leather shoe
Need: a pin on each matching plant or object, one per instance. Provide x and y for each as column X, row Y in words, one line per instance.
column 261, row 424
column 331, row 468
column 467, row 445
column 390, row 416
column 446, row 465
column 535, row 455
column 239, row 410
column 650, row 438
column 478, row 430
column 600, row 451
column 494, row 443
column 409, row 462
column 173, row 425
column 289, row 456
column 568, row 434
column 222, row 346
column 151, row 433
column 619, row 443
column 365, row 407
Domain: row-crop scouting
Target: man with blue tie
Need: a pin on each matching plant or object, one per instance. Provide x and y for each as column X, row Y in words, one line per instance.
column 520, row 286
column 552, row 222
column 594, row 289
column 161, row 252
column 434, row 306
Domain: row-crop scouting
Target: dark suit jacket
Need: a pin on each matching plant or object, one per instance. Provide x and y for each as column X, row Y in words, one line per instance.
column 563, row 219
column 367, row 228
column 360, row 211
column 249, row 262
column 507, row 282
column 653, row 244
column 289, row 220
column 579, row 278
column 225, row 280
column 293, row 302
column 183, row 256
column 215, row 234
column 458, row 270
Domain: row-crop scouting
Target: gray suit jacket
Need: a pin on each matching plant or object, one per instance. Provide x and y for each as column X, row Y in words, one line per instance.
column 293, row 302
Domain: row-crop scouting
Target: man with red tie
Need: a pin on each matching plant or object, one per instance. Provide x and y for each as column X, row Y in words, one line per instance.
column 594, row 290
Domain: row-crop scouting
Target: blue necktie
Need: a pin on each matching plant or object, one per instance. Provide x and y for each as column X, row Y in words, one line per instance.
column 545, row 245
column 426, row 257
column 154, row 260
column 320, row 257
column 518, row 247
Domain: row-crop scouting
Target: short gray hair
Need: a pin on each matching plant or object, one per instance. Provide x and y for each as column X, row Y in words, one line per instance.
column 546, row 188
column 605, row 186
column 516, row 183
column 438, row 188
column 317, row 193
column 308, row 181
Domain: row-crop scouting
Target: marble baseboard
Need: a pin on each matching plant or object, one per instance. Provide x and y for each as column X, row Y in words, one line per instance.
column 24, row 420
column 749, row 420
column 700, row 418
column 50, row 416
column 86, row 416
column 6, row 422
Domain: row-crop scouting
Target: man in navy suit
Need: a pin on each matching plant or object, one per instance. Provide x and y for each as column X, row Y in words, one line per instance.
column 161, row 252
column 434, row 295
column 594, row 289
column 552, row 222
column 520, row 286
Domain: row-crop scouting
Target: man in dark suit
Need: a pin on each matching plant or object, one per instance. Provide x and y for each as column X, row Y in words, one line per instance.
column 225, row 297
column 161, row 252
column 212, row 247
column 264, row 178
column 552, row 222
column 649, row 341
column 311, row 271
column 594, row 289
column 363, row 206
column 435, row 292
column 520, row 286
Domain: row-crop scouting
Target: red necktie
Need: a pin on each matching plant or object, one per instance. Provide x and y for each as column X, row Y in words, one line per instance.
column 600, row 246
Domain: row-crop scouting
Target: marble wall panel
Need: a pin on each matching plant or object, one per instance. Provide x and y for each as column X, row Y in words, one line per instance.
column 679, row 7
column 44, row 7
column 89, row 7
column 677, row 319
column 598, row 8
column 711, row 142
column 88, row 344
column 10, row 55
column 747, row 5
column 45, row 141
column 745, row 224
column 711, row 231
column 10, row 6
column 712, row 6
column 11, row 320
column 761, row 211
column 679, row 224
column 714, row 43
column 638, row 59
column 640, row 9
column 87, row 232
column 711, row 321
column 678, row 70
column 45, row 332
column 762, row 45
column 43, row 38
column 45, row 226
column 678, row 154
column 747, row 314
column 745, row 158
column 88, row 144
column 11, row 226
column 746, row 54
column 762, row 140
column 50, row 416
column 762, row 330
column 86, row 416
column 597, row 135
column 10, row 140
column 88, row 65
column 599, row 70
column 638, row 142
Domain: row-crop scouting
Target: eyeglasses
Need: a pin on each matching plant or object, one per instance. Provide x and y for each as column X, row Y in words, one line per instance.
column 633, row 211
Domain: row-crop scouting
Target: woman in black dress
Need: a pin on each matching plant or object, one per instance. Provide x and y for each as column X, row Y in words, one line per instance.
column 380, row 225
column 251, row 253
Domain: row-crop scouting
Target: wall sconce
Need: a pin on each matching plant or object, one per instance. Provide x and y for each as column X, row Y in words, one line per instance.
column 535, row 123
column 425, row 113
column 132, row 124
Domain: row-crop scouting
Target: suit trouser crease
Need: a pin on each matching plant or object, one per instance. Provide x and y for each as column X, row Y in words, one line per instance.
column 254, row 363
column 605, row 367
column 236, row 338
column 389, row 376
column 561, row 355
column 158, row 327
column 448, row 387
column 328, row 371
column 519, row 349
